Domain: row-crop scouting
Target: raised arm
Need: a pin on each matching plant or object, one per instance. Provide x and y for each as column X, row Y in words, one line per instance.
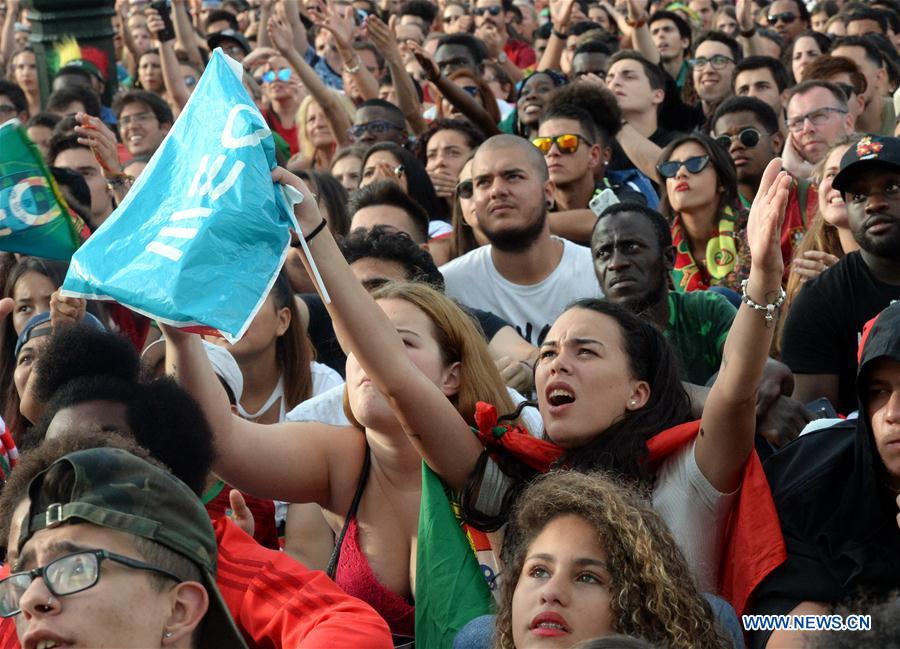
column 729, row 417
column 750, row 42
column 639, row 31
column 560, row 17
column 299, row 458
column 429, row 419
column 382, row 37
column 340, row 21
column 280, row 35
column 185, row 35
column 8, row 35
column 171, row 71
column 466, row 104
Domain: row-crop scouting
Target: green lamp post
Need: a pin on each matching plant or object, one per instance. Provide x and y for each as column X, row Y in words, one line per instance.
column 88, row 21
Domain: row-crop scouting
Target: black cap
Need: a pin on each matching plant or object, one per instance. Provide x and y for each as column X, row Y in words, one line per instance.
column 871, row 151
column 216, row 39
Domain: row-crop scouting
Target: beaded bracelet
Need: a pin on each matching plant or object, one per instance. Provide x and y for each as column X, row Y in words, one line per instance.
column 768, row 308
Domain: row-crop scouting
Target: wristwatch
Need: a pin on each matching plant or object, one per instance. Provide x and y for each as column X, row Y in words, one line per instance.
column 502, row 58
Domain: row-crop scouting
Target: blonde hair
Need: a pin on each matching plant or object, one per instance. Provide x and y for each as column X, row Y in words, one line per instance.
column 820, row 235
column 306, row 148
column 652, row 592
column 460, row 340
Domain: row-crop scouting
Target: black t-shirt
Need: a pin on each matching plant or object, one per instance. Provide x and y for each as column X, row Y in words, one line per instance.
column 674, row 114
column 620, row 160
column 825, row 322
column 329, row 352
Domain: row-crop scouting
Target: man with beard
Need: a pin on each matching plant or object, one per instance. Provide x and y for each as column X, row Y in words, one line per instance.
column 525, row 276
column 825, row 322
column 633, row 256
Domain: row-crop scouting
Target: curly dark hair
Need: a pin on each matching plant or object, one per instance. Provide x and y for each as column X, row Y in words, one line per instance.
column 387, row 244
column 161, row 416
column 653, row 594
column 474, row 136
column 81, row 350
column 596, row 101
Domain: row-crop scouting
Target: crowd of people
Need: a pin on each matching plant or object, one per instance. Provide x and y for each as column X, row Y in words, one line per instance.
column 623, row 277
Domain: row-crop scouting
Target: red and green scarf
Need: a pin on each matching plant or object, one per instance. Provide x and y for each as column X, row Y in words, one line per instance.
column 721, row 255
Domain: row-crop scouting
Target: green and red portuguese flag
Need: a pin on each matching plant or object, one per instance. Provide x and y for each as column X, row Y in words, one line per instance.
column 451, row 585
column 34, row 217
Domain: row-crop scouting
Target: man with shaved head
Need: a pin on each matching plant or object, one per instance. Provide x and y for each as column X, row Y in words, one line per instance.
column 525, row 276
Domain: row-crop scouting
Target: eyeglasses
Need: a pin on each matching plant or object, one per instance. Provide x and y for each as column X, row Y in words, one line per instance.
column 472, row 90
column 465, row 189
column 452, row 19
column 284, row 74
column 66, row 575
column 566, row 143
column 816, row 118
column 785, row 17
column 375, row 127
column 494, row 10
column 7, row 108
column 717, row 62
column 748, row 137
column 137, row 118
column 694, row 164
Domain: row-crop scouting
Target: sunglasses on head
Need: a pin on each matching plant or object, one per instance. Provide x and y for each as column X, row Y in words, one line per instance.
column 694, row 164
column 465, row 189
column 284, row 74
column 786, row 17
column 847, row 89
column 567, row 143
column 748, row 137
column 494, row 10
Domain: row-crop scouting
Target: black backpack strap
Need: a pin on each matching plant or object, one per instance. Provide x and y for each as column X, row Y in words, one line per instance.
column 331, row 571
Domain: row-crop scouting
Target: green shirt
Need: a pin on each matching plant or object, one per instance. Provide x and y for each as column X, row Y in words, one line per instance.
column 698, row 326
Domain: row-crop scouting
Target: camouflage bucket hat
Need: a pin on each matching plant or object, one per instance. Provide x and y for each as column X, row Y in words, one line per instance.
column 112, row 488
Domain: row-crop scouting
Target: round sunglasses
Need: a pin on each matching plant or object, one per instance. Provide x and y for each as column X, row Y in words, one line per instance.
column 567, row 142
column 748, row 137
column 284, row 74
column 694, row 164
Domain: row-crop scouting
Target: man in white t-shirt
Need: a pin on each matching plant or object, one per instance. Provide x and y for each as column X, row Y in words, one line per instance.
column 525, row 276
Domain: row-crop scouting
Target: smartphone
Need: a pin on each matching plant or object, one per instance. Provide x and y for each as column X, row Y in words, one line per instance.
column 162, row 8
column 821, row 408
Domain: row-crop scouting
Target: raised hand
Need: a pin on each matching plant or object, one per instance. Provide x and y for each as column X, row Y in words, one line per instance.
column 561, row 14
column 382, row 37
column 280, row 34
column 425, row 60
column 66, row 310
column 93, row 133
column 494, row 39
column 766, row 217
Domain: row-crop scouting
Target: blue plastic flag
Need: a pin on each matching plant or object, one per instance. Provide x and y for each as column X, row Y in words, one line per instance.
column 199, row 239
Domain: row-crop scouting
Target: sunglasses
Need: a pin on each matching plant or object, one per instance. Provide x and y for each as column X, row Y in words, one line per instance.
column 748, row 137
column 694, row 164
column 494, row 10
column 452, row 19
column 566, row 143
column 472, row 90
column 284, row 74
column 786, row 17
column 847, row 89
column 465, row 189
column 375, row 127
column 7, row 108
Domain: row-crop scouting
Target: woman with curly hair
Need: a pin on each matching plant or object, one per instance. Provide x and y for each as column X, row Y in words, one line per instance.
column 592, row 559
